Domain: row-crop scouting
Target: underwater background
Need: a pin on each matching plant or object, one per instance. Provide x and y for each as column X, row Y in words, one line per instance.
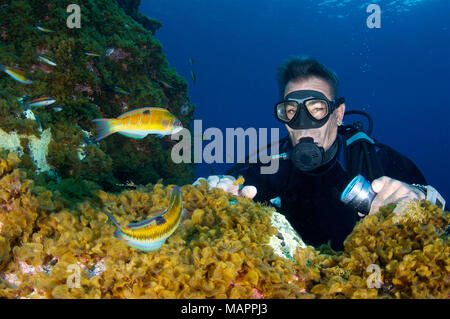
column 67, row 188
column 397, row 73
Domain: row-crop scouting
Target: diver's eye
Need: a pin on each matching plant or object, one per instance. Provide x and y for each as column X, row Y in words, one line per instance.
column 317, row 108
column 290, row 111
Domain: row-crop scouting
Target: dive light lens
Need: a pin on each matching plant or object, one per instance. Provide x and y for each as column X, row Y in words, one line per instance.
column 359, row 195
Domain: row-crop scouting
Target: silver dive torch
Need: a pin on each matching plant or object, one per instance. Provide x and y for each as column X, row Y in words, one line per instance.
column 359, row 195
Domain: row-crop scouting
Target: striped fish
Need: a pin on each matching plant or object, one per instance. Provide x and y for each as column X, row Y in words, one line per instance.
column 46, row 59
column 16, row 74
column 139, row 123
column 150, row 234
column 44, row 29
column 118, row 90
column 40, row 101
column 165, row 84
column 92, row 54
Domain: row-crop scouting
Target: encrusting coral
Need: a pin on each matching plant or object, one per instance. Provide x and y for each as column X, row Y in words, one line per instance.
column 220, row 250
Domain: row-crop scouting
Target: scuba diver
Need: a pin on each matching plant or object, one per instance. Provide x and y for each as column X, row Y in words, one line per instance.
column 320, row 156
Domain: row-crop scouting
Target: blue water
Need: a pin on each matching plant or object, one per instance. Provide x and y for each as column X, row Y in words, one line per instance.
column 398, row 73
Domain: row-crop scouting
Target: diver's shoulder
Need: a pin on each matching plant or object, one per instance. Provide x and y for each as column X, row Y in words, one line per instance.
column 399, row 166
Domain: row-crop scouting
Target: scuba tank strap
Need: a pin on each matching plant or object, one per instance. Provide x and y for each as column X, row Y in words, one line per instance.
column 360, row 150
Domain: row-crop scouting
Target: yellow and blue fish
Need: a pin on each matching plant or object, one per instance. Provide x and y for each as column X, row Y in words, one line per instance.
column 150, row 234
column 16, row 74
column 139, row 123
column 165, row 84
column 46, row 59
column 118, row 90
column 93, row 54
column 44, row 29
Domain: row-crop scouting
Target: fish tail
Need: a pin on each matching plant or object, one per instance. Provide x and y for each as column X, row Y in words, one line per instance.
column 111, row 218
column 118, row 231
column 104, row 128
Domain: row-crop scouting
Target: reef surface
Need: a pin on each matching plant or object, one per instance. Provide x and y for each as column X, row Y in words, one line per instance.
column 114, row 48
column 220, row 250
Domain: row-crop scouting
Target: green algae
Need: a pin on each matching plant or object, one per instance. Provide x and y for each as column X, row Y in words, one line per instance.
column 80, row 85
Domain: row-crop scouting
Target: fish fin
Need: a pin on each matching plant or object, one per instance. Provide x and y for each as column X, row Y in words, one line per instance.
column 145, row 223
column 111, row 218
column 142, row 109
column 146, row 247
column 104, row 128
column 118, row 232
column 135, row 136
column 183, row 217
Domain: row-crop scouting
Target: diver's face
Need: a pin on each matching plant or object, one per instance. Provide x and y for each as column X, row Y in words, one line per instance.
column 326, row 135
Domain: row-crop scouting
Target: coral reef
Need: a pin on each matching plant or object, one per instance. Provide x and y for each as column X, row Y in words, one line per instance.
column 221, row 249
column 57, row 184
column 411, row 250
column 79, row 82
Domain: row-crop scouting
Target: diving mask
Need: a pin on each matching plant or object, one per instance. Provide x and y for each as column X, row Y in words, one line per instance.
column 306, row 109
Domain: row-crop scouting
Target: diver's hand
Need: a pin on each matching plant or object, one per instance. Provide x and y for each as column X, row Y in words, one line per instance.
column 390, row 190
column 230, row 185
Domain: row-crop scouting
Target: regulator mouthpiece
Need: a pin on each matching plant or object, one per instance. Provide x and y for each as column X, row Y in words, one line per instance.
column 359, row 195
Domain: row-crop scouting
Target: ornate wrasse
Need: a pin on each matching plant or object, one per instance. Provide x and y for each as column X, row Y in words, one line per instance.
column 150, row 234
column 43, row 29
column 139, row 123
column 46, row 59
column 16, row 74
column 40, row 101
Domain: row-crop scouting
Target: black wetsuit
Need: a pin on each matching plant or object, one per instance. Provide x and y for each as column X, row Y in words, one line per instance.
column 311, row 202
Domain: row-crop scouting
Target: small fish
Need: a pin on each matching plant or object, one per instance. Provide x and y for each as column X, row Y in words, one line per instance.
column 184, row 109
column 44, row 29
column 150, row 234
column 128, row 184
column 118, row 90
column 40, row 101
column 16, row 74
column 139, row 123
column 167, row 85
column 23, row 98
column 46, row 59
column 109, row 51
column 194, row 78
column 92, row 54
column 57, row 109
